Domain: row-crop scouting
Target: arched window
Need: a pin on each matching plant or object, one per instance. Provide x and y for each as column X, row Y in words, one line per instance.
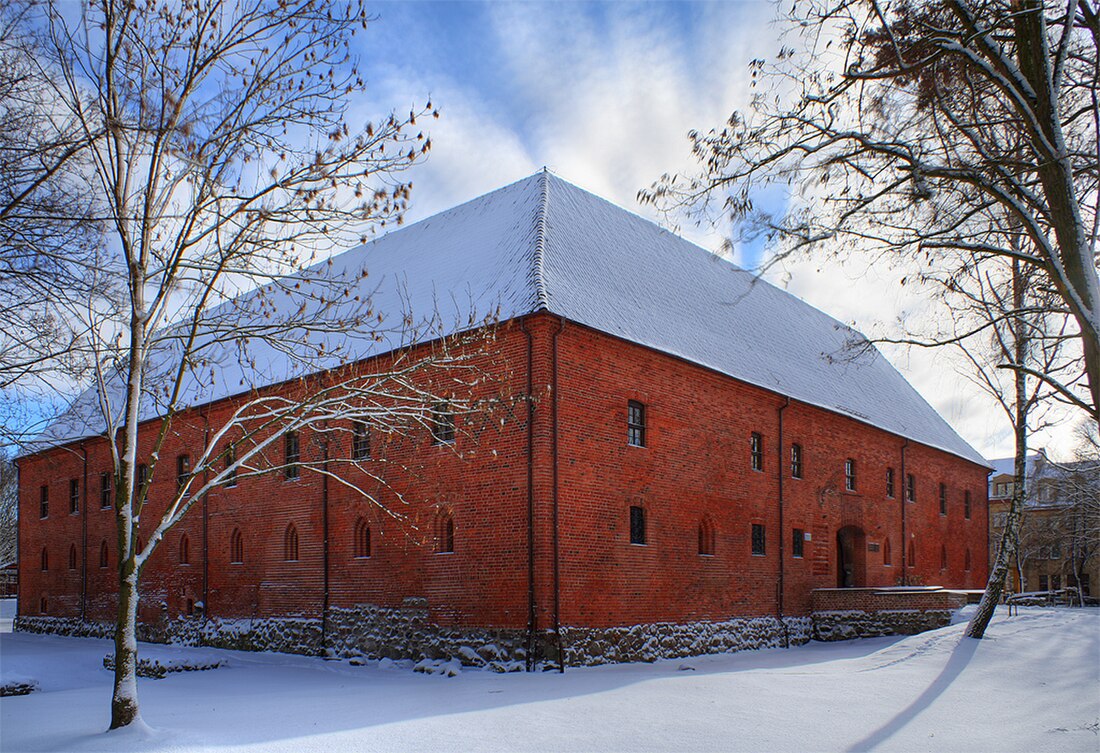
column 185, row 550
column 362, row 539
column 103, row 553
column 887, row 558
column 706, row 536
column 445, row 534
column 943, row 556
column 72, row 556
column 290, row 543
column 967, row 559
column 236, row 547
column 45, row 560
column 912, row 554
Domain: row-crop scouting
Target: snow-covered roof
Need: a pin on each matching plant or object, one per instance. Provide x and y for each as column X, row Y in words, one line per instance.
column 544, row 244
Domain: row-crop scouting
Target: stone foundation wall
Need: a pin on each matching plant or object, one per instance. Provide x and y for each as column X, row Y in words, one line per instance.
column 847, row 624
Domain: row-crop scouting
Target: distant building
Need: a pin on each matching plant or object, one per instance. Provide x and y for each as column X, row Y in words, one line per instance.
column 1060, row 529
column 703, row 451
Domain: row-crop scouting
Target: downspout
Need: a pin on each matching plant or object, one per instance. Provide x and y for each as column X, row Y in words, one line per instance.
column 554, row 445
column 84, row 540
column 532, row 614
column 205, row 521
column 782, row 530
column 904, row 502
column 324, row 544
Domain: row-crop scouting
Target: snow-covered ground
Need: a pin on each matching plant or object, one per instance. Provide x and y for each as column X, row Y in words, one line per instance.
column 1032, row 685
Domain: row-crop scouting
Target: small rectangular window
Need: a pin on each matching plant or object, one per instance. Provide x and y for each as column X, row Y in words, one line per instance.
column 74, row 496
column 910, row 488
column 44, row 501
column 635, row 424
column 850, row 475
column 890, row 483
column 758, row 539
column 183, row 472
column 360, row 441
column 105, row 493
column 756, row 451
column 798, row 538
column 292, row 454
column 637, row 525
column 966, row 504
column 796, row 461
column 943, row 499
column 442, row 424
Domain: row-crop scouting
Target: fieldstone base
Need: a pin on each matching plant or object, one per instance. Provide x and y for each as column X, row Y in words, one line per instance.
column 842, row 625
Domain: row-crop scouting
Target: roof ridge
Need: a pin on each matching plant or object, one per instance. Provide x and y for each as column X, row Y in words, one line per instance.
column 542, row 300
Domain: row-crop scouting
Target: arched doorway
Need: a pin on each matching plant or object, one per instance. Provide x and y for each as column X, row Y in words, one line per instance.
column 851, row 557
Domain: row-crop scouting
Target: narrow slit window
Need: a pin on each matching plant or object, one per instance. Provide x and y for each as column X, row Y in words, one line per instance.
column 185, row 550
column 442, row 424
column 446, row 533
column 912, row 554
column 943, row 499
column 105, row 490
column 890, row 483
column 886, row 556
column 142, row 480
column 230, row 462
column 236, row 547
column 635, row 424
column 966, row 506
column 183, row 472
column 910, row 488
column 756, row 451
column 360, row 441
column 943, row 556
column 798, row 542
column 291, row 455
column 796, row 461
column 706, row 537
column 290, row 543
column 759, row 541
column 44, row 501
column 850, row 474
column 45, row 560
column 362, row 540
column 104, row 554
column 637, row 525
column 74, row 496
column 72, row 556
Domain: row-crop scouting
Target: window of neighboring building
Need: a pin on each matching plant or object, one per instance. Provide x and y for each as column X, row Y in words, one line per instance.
column 756, row 451
column 706, row 536
column 442, row 424
column 1055, row 582
column 360, row 441
column 236, row 547
column 796, row 461
column 45, row 560
column 943, row 499
column 912, row 554
column 1044, row 583
column 943, row 556
column 850, row 474
column 183, row 472
column 887, row 557
column 185, row 550
column 105, row 492
column 637, row 525
column 362, row 539
column 910, row 488
column 890, row 483
column 635, row 424
column 104, row 554
column 966, row 505
column 44, row 501
column 759, row 542
column 74, row 496
column 798, row 539
column 290, row 543
column 230, row 461
column 446, row 533
column 291, row 454
column 72, row 556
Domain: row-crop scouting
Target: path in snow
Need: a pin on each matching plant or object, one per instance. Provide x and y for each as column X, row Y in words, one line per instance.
column 1032, row 685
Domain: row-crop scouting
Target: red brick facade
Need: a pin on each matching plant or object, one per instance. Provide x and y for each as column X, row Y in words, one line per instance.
column 566, row 483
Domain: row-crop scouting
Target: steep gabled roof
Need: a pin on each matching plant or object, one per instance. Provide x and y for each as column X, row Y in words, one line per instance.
column 544, row 244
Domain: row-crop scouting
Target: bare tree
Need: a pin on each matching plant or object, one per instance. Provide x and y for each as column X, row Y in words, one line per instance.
column 224, row 167
column 915, row 129
column 9, row 509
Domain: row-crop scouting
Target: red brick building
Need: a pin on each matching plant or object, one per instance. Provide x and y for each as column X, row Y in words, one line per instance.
column 702, row 452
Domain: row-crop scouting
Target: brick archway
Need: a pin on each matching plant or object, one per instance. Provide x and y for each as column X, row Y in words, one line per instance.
column 851, row 557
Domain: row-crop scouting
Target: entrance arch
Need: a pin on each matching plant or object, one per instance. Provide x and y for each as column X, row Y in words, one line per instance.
column 851, row 557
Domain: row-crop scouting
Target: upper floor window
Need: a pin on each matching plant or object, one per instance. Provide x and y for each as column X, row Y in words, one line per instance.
column 360, row 441
column 798, row 539
column 966, row 506
column 635, row 424
column 185, row 550
column 74, row 496
column 105, row 490
column 756, row 451
column 637, row 525
column 45, row 560
column 230, row 462
column 759, row 542
column 142, row 480
column 442, row 424
column 910, row 488
column 291, row 454
column 796, row 461
column 183, row 472
column 890, row 483
column 943, row 499
column 850, row 475
column 72, row 556
column 44, row 501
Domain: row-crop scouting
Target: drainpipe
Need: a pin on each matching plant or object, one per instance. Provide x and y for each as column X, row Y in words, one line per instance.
column 532, row 613
column 205, row 519
column 324, row 544
column 84, row 541
column 554, row 445
column 782, row 530
column 904, row 501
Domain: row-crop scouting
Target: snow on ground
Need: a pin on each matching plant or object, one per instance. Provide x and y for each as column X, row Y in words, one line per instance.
column 1032, row 685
